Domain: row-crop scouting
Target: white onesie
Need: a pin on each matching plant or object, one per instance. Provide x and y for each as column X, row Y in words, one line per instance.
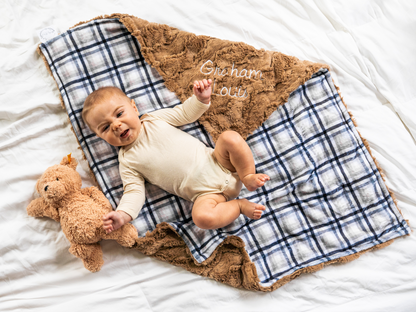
column 172, row 159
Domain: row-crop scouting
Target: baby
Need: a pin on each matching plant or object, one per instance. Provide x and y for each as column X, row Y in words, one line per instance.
column 153, row 149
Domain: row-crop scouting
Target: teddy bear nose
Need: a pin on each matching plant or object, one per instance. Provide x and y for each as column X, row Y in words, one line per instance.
column 46, row 188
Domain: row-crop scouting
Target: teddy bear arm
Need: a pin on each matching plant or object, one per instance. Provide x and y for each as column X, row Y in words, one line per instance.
column 98, row 197
column 40, row 208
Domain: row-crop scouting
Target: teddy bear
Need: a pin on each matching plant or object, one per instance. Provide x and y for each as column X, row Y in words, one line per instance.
column 79, row 211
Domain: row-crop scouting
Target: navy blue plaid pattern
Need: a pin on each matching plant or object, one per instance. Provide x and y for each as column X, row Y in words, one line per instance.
column 325, row 200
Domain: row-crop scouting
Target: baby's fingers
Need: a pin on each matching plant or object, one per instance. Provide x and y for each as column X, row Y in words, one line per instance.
column 109, row 216
column 108, row 228
column 196, row 84
column 207, row 83
column 202, row 84
column 108, row 222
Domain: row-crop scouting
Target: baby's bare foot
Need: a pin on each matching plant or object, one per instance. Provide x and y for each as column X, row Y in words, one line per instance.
column 251, row 210
column 254, row 181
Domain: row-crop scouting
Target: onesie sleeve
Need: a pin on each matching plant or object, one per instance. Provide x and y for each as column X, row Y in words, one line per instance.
column 182, row 114
column 133, row 197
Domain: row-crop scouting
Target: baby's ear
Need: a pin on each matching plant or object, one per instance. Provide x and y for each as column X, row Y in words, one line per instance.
column 69, row 161
column 134, row 106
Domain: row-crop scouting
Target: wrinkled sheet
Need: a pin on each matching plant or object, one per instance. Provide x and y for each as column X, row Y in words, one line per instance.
column 371, row 49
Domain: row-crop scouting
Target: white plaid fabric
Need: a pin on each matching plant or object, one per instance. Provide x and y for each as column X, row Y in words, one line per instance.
column 325, row 200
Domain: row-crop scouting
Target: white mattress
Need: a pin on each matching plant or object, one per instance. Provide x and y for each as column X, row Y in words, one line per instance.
column 370, row 46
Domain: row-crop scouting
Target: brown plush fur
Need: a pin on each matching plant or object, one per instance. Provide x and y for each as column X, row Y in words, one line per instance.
column 79, row 211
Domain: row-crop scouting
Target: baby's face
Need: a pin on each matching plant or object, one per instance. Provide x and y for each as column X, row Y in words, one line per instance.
column 115, row 120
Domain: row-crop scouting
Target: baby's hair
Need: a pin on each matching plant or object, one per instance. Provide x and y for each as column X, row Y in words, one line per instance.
column 97, row 97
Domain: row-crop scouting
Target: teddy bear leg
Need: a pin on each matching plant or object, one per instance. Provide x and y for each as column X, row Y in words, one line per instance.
column 91, row 255
column 126, row 235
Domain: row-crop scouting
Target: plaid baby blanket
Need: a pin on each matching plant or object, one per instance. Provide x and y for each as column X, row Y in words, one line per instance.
column 326, row 199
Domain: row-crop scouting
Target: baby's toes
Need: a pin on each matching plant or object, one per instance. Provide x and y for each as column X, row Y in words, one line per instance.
column 260, row 182
column 260, row 208
column 261, row 179
column 256, row 215
column 258, row 211
column 264, row 177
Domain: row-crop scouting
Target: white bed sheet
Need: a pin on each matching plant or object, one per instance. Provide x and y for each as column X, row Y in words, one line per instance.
column 371, row 48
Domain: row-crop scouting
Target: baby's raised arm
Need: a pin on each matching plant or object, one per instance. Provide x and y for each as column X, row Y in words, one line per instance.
column 191, row 109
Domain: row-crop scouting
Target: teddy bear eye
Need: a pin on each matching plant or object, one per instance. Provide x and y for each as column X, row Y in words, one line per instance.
column 57, row 179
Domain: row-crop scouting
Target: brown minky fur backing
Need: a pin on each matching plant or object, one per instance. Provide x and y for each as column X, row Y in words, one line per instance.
column 249, row 85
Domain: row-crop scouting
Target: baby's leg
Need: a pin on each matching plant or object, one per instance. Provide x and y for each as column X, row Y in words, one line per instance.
column 212, row 211
column 234, row 154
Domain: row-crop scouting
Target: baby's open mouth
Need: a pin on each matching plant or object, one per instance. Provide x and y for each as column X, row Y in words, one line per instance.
column 125, row 134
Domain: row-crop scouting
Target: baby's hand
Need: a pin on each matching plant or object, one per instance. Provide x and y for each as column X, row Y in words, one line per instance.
column 202, row 90
column 115, row 220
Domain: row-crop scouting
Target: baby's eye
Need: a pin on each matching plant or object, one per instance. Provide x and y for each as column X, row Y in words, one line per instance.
column 119, row 114
column 105, row 128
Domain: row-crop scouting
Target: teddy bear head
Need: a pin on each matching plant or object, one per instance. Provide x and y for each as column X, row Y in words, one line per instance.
column 59, row 181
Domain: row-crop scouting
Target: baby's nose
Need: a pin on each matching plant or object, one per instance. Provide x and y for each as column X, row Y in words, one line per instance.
column 116, row 125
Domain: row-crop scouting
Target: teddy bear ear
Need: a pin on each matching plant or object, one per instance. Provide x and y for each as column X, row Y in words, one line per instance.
column 69, row 161
column 37, row 186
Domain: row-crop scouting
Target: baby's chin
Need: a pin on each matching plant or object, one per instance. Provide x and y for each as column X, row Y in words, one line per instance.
column 132, row 136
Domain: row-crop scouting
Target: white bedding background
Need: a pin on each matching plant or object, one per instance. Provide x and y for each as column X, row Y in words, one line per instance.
column 371, row 48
